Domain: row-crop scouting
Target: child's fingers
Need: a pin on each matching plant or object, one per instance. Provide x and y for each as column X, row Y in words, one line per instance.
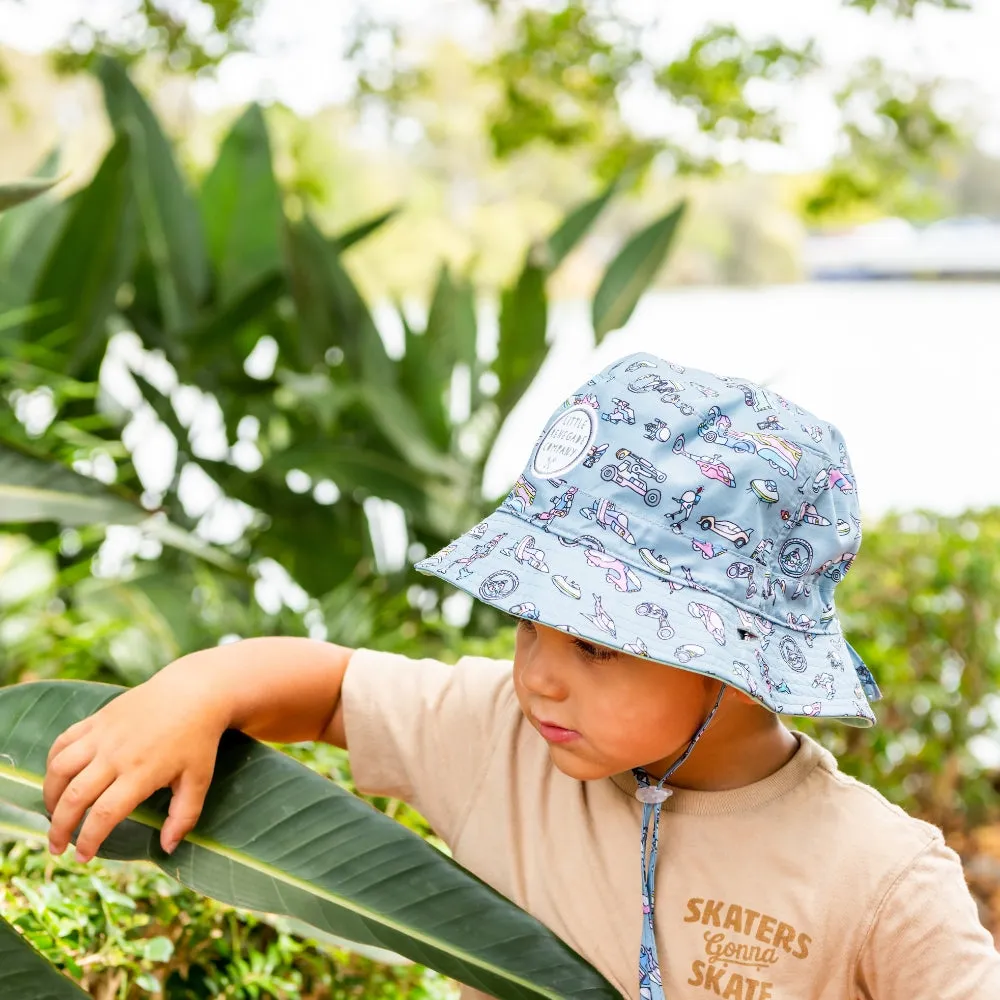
column 63, row 768
column 67, row 737
column 79, row 794
column 185, row 807
column 115, row 803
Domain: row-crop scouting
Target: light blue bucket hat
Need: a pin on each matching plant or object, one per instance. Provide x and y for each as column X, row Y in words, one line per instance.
column 699, row 520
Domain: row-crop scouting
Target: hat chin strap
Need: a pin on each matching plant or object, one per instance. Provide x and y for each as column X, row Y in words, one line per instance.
column 652, row 797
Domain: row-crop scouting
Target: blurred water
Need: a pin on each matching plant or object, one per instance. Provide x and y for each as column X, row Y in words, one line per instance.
column 908, row 371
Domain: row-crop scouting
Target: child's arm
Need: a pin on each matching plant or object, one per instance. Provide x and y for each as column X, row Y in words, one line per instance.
column 165, row 733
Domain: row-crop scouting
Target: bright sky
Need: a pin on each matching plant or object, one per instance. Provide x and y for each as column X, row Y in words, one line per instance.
column 298, row 44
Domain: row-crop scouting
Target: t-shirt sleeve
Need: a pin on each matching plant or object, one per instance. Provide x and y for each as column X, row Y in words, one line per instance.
column 927, row 942
column 422, row 730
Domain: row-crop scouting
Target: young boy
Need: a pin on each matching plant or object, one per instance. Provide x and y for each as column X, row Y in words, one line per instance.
column 657, row 641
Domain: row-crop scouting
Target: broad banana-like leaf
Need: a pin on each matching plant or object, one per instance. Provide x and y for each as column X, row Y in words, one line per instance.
column 26, row 239
column 33, row 489
column 277, row 837
column 241, row 207
column 575, row 226
column 172, row 228
column 392, row 413
column 26, row 975
column 21, row 824
column 523, row 323
column 632, row 272
column 426, row 369
column 90, row 259
column 22, row 191
column 331, row 310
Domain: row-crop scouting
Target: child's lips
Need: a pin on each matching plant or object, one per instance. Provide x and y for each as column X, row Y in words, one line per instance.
column 556, row 734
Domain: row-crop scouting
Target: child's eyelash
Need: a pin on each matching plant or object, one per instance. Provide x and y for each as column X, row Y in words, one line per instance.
column 593, row 652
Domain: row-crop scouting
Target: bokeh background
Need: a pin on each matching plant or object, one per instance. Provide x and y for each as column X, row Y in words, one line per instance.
column 297, row 326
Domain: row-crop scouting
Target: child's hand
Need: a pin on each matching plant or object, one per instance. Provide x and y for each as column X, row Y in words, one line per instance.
column 163, row 733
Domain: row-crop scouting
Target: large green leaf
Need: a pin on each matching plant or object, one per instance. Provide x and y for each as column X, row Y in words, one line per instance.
column 396, row 418
column 523, row 323
column 575, row 226
column 21, row 824
column 331, row 310
column 172, row 228
column 277, row 837
column 34, row 489
column 26, row 975
column 451, row 322
column 241, row 207
column 22, row 191
column 88, row 263
column 632, row 272
column 428, row 365
column 26, row 239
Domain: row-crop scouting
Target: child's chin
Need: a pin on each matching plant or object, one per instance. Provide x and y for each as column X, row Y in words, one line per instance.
column 575, row 766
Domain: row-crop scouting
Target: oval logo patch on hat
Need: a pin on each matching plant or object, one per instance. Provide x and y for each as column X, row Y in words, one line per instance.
column 565, row 444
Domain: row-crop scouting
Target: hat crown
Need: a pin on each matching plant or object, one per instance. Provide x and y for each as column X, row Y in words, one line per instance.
column 711, row 482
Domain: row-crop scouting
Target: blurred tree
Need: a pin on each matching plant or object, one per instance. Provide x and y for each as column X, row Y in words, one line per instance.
column 894, row 143
column 562, row 75
column 190, row 36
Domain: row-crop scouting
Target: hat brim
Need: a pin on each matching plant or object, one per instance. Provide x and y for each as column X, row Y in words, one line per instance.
column 529, row 570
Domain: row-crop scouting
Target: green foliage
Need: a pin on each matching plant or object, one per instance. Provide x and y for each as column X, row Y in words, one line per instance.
column 921, row 605
column 631, row 272
column 562, row 74
column 907, row 8
column 190, row 38
column 171, row 224
column 559, row 80
column 128, row 931
column 93, row 255
column 895, row 139
column 213, row 278
column 712, row 77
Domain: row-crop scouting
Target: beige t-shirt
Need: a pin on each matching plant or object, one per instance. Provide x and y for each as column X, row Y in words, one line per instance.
column 807, row 885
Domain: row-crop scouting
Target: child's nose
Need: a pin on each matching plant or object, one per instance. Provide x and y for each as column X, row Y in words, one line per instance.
column 541, row 671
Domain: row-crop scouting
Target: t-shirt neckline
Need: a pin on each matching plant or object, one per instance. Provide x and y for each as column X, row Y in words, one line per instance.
column 747, row 798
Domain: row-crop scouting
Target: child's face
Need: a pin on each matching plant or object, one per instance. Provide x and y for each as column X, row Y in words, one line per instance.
column 607, row 711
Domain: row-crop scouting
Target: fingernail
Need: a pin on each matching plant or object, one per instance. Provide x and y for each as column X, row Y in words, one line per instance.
column 83, row 858
column 170, row 846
